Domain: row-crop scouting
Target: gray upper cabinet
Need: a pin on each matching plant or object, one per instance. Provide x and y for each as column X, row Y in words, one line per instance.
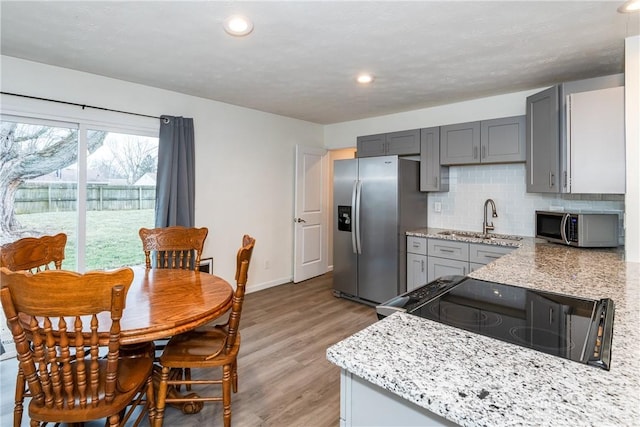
column 489, row 141
column 543, row 141
column 503, row 140
column 575, row 137
column 433, row 176
column 371, row 145
column 460, row 144
column 401, row 143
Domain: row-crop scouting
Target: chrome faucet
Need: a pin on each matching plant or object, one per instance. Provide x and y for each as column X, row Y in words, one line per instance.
column 486, row 227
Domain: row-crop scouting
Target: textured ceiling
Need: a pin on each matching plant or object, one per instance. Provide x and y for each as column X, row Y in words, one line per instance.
column 302, row 57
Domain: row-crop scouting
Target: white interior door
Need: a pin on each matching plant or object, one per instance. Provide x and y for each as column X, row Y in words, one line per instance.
column 310, row 221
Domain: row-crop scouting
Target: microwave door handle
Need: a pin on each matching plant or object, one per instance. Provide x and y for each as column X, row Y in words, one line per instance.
column 354, row 216
column 563, row 228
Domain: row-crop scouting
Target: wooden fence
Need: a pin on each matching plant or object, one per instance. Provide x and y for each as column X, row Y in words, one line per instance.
column 36, row 197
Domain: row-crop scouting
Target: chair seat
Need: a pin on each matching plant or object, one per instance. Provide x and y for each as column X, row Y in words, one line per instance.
column 191, row 349
column 132, row 372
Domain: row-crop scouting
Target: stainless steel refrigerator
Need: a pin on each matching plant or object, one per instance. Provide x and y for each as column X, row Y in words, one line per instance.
column 376, row 201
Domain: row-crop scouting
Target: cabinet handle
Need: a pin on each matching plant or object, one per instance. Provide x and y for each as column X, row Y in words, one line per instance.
column 416, row 244
column 484, row 155
column 552, row 179
column 447, row 250
column 492, row 256
column 436, row 184
column 422, row 265
column 475, row 152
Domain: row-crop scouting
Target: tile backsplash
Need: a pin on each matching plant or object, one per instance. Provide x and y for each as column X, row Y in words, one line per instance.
column 469, row 187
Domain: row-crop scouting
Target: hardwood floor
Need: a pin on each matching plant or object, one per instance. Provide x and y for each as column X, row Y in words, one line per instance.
column 284, row 377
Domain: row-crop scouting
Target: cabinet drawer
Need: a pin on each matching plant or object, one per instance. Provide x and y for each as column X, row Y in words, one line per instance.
column 417, row 245
column 448, row 249
column 484, row 254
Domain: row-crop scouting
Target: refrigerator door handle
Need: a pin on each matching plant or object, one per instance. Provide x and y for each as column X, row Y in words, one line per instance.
column 354, row 217
column 357, row 216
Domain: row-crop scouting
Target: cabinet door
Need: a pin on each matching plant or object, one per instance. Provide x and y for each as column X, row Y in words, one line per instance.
column 503, row 140
column 460, row 144
column 484, row 254
column 437, row 267
column 543, row 142
column 433, row 176
column 371, row 145
column 416, row 271
column 596, row 141
column 403, row 143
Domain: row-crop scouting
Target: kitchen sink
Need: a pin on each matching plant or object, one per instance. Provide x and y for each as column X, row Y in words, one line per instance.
column 489, row 236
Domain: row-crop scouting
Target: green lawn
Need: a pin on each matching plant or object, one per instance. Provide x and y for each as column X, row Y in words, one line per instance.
column 112, row 236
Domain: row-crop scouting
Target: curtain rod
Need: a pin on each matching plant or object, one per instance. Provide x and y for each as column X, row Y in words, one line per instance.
column 78, row 105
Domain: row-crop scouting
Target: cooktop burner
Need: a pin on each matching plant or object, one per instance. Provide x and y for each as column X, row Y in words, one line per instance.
column 573, row 328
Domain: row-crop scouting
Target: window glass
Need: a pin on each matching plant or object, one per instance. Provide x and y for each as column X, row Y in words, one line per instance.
column 40, row 179
column 121, row 191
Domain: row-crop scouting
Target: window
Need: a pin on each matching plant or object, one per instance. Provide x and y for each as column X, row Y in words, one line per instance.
column 93, row 183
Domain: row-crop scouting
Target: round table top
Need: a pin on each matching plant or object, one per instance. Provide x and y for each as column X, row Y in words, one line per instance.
column 165, row 302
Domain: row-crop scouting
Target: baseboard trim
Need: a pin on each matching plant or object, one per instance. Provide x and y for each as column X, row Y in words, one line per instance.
column 266, row 285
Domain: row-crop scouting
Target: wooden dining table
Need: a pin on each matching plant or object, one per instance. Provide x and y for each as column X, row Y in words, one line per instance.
column 163, row 302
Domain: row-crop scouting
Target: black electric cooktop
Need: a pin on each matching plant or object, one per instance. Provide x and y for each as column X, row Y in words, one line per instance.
column 566, row 326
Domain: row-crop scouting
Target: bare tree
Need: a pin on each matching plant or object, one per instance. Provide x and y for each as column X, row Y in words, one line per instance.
column 129, row 157
column 29, row 151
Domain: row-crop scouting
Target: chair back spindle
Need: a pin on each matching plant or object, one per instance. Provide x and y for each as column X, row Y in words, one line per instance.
column 173, row 247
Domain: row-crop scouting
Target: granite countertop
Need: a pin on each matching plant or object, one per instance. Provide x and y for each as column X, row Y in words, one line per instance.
column 475, row 380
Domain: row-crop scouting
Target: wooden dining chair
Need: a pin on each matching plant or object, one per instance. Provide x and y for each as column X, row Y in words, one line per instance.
column 170, row 247
column 33, row 254
column 173, row 247
column 75, row 377
column 212, row 347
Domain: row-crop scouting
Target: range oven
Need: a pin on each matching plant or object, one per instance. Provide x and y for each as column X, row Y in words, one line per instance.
column 573, row 328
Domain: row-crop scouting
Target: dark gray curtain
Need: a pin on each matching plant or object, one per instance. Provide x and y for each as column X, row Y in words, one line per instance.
column 175, row 184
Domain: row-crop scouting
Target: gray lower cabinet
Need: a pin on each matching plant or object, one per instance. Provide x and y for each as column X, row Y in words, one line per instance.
column 433, row 176
column 500, row 140
column 484, row 254
column 401, row 143
column 363, row 403
column 438, row 267
column 448, row 257
column 416, row 262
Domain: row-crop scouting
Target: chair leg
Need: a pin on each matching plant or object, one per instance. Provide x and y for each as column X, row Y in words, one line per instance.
column 234, row 374
column 162, row 396
column 151, row 400
column 19, row 399
column 226, row 394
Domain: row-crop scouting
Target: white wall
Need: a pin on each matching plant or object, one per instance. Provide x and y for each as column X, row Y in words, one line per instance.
column 244, row 165
column 632, row 121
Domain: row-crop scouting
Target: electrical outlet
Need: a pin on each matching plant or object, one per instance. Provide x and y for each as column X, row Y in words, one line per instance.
column 437, row 206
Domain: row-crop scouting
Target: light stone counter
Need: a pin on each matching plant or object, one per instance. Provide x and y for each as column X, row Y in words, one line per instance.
column 474, row 380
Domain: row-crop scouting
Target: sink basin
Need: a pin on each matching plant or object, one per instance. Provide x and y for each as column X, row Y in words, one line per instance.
column 489, row 236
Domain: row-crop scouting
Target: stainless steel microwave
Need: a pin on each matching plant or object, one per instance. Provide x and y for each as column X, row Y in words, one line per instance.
column 585, row 230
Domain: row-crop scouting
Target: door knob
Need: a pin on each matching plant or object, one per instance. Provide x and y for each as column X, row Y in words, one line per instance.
column 299, row 220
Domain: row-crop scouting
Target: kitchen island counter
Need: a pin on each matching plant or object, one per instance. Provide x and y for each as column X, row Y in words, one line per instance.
column 475, row 380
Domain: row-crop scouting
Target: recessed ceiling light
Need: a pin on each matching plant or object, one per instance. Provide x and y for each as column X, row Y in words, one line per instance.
column 630, row 6
column 238, row 25
column 364, row 78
